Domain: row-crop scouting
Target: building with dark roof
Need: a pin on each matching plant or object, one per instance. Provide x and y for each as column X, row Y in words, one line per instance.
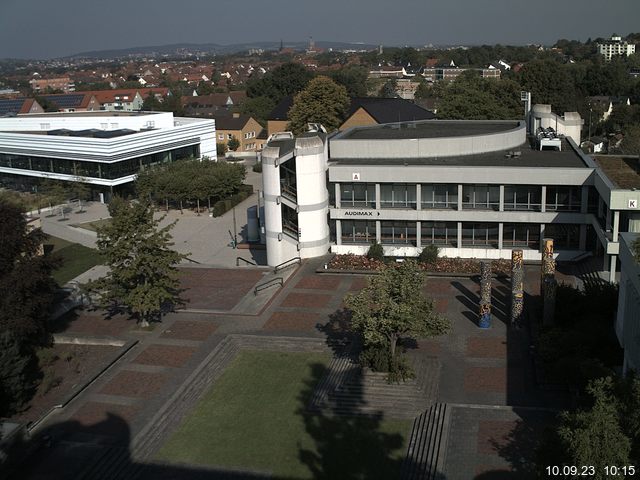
column 15, row 106
column 244, row 128
column 73, row 102
column 362, row 111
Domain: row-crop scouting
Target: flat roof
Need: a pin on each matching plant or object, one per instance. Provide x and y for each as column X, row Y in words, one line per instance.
column 428, row 129
column 529, row 158
column 96, row 113
column 624, row 172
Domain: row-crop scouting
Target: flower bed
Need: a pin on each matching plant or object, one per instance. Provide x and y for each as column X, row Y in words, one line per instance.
column 441, row 265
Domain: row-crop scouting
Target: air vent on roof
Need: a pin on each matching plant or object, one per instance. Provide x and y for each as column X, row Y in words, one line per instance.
column 513, row 154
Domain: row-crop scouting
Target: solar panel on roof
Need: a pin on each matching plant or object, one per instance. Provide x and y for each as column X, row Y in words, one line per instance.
column 65, row 101
column 10, row 105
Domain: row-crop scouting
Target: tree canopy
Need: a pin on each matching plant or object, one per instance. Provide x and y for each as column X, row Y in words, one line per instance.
column 142, row 277
column 393, row 305
column 322, row 101
column 287, row 79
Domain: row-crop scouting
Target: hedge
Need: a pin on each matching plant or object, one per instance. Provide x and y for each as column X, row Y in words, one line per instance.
column 222, row 206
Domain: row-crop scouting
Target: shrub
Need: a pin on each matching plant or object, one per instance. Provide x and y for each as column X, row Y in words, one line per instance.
column 17, row 369
column 221, row 148
column 257, row 167
column 429, row 254
column 376, row 252
column 220, row 207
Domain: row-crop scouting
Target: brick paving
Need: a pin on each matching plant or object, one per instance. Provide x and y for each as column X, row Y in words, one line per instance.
column 306, row 300
column 189, row 330
column 94, row 323
column 215, row 288
column 134, row 384
column 486, row 368
column 106, row 419
column 292, row 321
column 165, row 355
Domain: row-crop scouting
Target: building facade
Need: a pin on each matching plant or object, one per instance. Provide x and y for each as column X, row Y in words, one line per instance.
column 614, row 47
column 103, row 149
column 475, row 189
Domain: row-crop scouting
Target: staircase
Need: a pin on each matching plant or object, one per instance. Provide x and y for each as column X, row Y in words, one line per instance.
column 427, row 445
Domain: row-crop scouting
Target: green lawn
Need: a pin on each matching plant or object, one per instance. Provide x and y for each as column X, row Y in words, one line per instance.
column 93, row 226
column 76, row 259
column 254, row 418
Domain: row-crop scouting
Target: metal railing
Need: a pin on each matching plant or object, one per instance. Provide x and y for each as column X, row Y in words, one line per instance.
column 269, row 283
column 248, row 262
column 287, row 264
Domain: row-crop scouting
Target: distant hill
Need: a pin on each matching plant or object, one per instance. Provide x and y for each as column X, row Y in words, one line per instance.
column 213, row 48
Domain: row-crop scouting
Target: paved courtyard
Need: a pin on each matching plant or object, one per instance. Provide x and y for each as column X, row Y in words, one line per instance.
column 485, row 375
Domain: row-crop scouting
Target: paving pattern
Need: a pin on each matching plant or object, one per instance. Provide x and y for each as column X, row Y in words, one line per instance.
column 484, row 376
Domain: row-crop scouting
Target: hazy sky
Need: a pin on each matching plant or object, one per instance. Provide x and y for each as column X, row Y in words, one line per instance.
column 44, row 29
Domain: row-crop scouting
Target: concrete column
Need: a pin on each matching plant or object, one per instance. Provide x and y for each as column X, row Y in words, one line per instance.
column 541, row 237
column 608, row 220
column 337, row 195
column 459, row 234
column 418, row 234
column 543, row 201
column 616, row 225
column 612, row 268
column 583, row 238
column 605, row 262
column 500, row 233
column 501, row 208
column 584, row 200
column 418, row 197
column 378, row 231
column 459, row 197
column 378, row 203
column 338, row 232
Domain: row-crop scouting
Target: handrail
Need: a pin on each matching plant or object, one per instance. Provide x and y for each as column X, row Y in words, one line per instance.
column 192, row 261
column 286, row 264
column 267, row 284
column 249, row 262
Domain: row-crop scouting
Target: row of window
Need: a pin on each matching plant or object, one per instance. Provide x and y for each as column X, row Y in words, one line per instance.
column 526, row 235
column 109, row 171
column 474, row 197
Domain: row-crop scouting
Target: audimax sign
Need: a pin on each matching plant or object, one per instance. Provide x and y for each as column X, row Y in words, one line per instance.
column 360, row 213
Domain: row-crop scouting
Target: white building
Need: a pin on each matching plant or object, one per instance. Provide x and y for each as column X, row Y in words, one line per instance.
column 615, row 47
column 475, row 189
column 103, row 149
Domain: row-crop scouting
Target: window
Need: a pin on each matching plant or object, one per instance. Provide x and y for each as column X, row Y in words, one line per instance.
column 398, row 195
column 358, row 231
column 563, row 199
column 221, row 136
column 288, row 181
column 521, row 235
column 398, row 233
column 481, row 197
column 480, row 235
column 440, row 196
column 522, row 197
column 439, row 233
column 565, row 237
column 229, row 136
column 289, row 221
column 358, row 195
column 45, row 126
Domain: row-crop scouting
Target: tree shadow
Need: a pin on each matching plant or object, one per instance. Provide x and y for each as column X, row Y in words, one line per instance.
column 338, row 331
column 347, row 445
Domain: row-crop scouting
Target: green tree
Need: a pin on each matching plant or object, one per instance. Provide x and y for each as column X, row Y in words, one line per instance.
column 631, row 142
column 233, row 144
column 593, row 436
column 550, row 83
column 391, row 306
column 16, row 372
column 471, row 97
column 353, row 78
column 322, row 101
column 80, row 189
column 25, row 279
column 388, row 90
column 142, row 276
column 258, row 108
column 287, row 79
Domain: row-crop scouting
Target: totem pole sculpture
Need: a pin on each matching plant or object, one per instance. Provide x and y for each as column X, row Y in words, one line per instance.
column 548, row 284
column 485, row 295
column 517, row 287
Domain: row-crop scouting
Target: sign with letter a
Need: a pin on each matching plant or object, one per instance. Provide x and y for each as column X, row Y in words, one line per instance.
column 356, row 177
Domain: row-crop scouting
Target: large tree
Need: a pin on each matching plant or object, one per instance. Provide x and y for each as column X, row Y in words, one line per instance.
column 322, row 101
column 25, row 278
column 470, row 97
column 393, row 305
column 142, row 277
column 550, row 82
column 287, row 79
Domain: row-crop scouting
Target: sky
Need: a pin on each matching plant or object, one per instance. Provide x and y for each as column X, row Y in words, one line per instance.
column 43, row 29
